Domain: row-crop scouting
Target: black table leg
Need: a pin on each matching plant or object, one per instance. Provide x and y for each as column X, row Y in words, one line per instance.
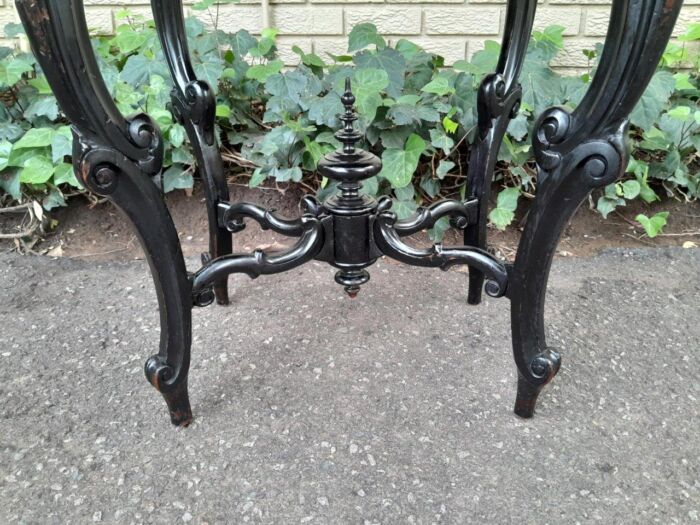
column 194, row 106
column 577, row 152
column 498, row 102
column 116, row 157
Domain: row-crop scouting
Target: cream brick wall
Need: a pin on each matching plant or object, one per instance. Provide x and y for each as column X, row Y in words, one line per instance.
column 455, row 29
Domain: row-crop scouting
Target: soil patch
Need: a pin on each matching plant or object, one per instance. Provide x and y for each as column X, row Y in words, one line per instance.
column 101, row 232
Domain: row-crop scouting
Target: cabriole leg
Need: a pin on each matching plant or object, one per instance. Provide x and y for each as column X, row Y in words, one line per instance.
column 498, row 102
column 194, row 106
column 116, row 157
column 576, row 153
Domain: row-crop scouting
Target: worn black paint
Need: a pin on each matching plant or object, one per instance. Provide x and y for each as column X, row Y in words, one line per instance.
column 576, row 152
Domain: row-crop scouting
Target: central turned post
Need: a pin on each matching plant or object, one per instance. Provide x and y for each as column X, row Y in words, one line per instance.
column 350, row 209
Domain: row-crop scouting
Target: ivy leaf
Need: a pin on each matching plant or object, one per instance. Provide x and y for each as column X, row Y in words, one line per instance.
column 262, row 72
column 53, row 200
column 35, row 138
column 407, row 193
column 370, row 186
column 42, row 107
column 5, row 150
column 654, row 139
column 223, row 111
column 325, row 110
column 315, row 152
column 13, row 29
column 518, row 127
column 405, row 114
column 483, row 61
column 288, row 85
column 609, row 201
column 175, row 177
column 176, row 135
column 138, row 69
column 162, row 117
column 444, row 168
column 241, row 42
column 367, row 86
column 465, row 98
column 430, row 186
column 391, row 62
column 504, row 212
column 541, row 85
column 683, row 81
column 258, row 177
column 193, row 27
column 407, row 48
column 654, row 225
column 654, row 100
column 692, row 33
column 677, row 127
column 508, row 199
column 680, row 113
column 449, row 125
column 631, row 189
column 441, row 141
column 182, row 156
column 19, row 156
column 36, row 170
column 439, row 86
column 410, row 100
column 404, row 209
column 210, row 71
column 501, row 218
column 310, row 59
column 62, row 144
column 127, row 40
column 9, row 182
column 647, row 194
column 286, row 174
column 12, row 72
column 550, row 41
column 437, row 232
column 400, row 164
column 10, row 131
column 64, row 174
column 606, row 205
column 363, row 35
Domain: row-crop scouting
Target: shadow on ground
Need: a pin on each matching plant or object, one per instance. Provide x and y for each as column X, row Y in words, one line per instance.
column 392, row 408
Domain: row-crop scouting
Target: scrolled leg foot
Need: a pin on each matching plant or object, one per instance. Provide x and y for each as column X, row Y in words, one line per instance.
column 526, row 398
column 542, row 370
column 160, row 374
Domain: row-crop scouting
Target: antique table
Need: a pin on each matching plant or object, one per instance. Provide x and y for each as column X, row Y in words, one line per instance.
column 576, row 152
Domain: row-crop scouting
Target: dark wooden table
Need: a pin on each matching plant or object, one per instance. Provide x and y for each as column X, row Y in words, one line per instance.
column 576, row 152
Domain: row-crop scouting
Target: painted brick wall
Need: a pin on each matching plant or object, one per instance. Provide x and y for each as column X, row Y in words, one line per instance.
column 453, row 28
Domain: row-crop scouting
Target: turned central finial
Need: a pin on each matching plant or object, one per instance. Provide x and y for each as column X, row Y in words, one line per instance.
column 349, row 164
column 348, row 136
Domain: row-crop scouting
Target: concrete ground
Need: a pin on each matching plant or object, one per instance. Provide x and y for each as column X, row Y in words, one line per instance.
column 311, row 408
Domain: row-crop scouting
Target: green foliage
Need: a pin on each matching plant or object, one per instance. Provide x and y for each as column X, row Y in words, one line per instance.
column 654, row 225
column 419, row 116
column 506, row 204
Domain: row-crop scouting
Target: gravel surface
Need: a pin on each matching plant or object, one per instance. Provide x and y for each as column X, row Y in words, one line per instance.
column 311, row 408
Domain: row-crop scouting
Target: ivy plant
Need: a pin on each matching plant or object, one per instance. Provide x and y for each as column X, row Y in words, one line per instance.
column 419, row 116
